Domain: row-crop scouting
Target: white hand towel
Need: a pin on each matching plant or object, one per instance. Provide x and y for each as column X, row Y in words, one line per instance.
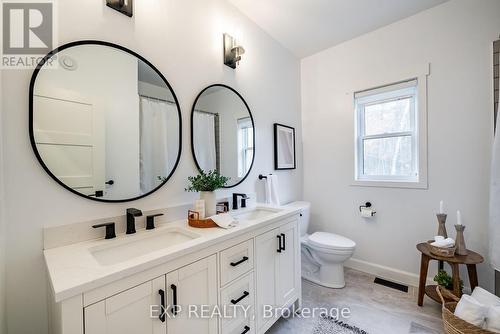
column 224, row 220
column 446, row 243
column 272, row 196
column 438, row 238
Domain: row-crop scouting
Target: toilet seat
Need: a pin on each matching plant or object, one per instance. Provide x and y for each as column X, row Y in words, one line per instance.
column 330, row 241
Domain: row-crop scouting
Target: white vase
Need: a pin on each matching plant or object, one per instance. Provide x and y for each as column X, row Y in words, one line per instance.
column 210, row 202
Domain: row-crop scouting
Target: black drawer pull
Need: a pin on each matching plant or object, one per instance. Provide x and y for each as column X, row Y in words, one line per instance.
column 247, row 329
column 234, row 264
column 284, row 241
column 162, row 301
column 279, row 243
column 245, row 294
column 174, row 297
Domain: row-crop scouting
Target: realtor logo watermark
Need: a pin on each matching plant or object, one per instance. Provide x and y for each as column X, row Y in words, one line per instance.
column 245, row 311
column 28, row 32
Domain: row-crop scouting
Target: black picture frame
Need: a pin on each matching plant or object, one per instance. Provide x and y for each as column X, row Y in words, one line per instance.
column 279, row 165
column 30, row 118
column 192, row 126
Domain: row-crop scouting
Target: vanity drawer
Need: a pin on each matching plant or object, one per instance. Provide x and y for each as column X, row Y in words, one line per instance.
column 245, row 326
column 236, row 261
column 238, row 302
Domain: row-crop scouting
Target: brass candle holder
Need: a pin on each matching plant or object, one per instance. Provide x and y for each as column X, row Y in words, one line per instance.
column 460, row 240
column 441, row 217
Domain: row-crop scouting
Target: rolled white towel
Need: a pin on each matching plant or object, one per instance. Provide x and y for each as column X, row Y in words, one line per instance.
column 438, row 238
column 446, row 243
column 224, row 220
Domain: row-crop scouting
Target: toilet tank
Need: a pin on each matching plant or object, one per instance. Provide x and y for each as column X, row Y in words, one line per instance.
column 305, row 215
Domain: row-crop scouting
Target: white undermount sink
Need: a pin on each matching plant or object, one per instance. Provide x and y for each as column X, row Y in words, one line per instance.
column 254, row 214
column 143, row 243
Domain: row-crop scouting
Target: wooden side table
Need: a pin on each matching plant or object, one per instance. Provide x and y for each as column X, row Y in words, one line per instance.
column 470, row 260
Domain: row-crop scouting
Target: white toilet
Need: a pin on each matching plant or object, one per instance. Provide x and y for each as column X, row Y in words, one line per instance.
column 323, row 253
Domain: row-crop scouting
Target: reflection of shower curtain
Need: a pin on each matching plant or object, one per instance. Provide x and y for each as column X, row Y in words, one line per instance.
column 204, row 140
column 155, row 117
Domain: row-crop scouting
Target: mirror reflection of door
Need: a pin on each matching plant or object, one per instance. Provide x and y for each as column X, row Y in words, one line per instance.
column 74, row 150
column 105, row 123
column 223, row 133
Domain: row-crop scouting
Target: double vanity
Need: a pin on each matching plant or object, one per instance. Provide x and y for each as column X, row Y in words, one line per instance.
column 213, row 280
column 106, row 125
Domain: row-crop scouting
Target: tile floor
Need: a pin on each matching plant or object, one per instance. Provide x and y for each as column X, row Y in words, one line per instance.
column 374, row 308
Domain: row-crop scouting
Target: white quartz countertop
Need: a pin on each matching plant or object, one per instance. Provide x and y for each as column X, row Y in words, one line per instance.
column 73, row 269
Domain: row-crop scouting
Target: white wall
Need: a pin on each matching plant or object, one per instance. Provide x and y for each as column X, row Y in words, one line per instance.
column 456, row 39
column 3, row 324
column 184, row 40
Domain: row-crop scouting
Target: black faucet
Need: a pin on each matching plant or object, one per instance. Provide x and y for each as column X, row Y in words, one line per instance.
column 110, row 229
column 150, row 221
column 244, row 198
column 131, row 214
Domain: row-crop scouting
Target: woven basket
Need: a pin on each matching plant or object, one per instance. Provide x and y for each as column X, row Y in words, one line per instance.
column 443, row 252
column 195, row 221
column 453, row 324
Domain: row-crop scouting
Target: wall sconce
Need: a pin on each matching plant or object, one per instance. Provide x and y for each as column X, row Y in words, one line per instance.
column 123, row 6
column 232, row 52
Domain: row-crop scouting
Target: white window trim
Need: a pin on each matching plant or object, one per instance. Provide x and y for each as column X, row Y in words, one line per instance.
column 421, row 129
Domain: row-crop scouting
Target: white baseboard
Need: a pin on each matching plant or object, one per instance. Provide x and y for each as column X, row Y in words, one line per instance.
column 392, row 274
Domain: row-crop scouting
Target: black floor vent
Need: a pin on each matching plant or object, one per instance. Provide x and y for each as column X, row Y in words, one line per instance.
column 391, row 285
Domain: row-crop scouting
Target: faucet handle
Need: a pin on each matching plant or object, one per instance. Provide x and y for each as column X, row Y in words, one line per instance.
column 134, row 212
column 150, row 221
column 110, row 229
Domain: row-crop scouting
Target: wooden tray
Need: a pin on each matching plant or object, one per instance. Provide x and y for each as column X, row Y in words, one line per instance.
column 195, row 221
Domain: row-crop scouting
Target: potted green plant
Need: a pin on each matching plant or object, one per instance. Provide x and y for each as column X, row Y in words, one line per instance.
column 446, row 281
column 206, row 183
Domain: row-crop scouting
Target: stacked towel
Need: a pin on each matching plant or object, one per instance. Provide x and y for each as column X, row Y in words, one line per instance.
column 482, row 309
column 224, row 220
column 443, row 243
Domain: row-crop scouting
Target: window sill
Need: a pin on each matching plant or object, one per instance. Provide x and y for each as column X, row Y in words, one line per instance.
column 390, row 184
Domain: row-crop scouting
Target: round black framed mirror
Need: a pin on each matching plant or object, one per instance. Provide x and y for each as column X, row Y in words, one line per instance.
column 223, row 133
column 104, row 122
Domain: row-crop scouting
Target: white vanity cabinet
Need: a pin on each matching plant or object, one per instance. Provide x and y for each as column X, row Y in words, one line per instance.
column 127, row 312
column 189, row 290
column 278, row 271
column 288, row 264
column 249, row 270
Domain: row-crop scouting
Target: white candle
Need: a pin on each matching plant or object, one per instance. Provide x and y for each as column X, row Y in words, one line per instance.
column 441, row 207
column 459, row 218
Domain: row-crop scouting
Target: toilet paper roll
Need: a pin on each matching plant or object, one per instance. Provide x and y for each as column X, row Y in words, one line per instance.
column 367, row 212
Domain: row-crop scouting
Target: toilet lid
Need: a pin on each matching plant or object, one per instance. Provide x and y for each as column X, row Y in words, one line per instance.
column 330, row 240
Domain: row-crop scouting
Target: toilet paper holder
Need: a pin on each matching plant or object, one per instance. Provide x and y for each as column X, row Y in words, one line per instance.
column 367, row 205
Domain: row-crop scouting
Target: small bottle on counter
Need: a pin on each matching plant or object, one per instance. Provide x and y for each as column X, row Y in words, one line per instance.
column 199, row 206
